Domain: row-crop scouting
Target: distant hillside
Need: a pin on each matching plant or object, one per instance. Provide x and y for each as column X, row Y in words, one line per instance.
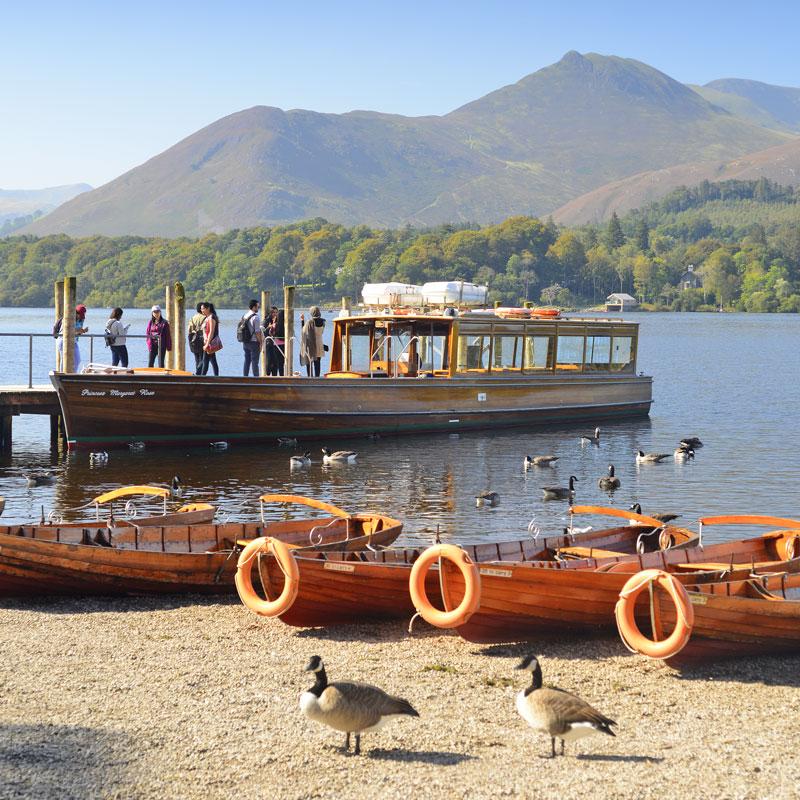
column 781, row 104
column 24, row 202
column 780, row 164
column 524, row 149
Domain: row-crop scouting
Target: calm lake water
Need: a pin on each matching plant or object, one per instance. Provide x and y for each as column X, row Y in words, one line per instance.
column 731, row 379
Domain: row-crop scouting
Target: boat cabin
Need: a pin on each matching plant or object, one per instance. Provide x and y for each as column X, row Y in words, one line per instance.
column 420, row 345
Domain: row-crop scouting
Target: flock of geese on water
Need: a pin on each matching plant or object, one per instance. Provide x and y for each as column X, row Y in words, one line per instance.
column 359, row 708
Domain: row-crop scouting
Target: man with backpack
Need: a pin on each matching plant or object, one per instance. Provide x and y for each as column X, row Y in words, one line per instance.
column 248, row 332
column 196, row 339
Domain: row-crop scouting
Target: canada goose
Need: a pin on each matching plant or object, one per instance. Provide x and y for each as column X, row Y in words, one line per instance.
column 300, row 461
column 98, row 458
column 650, row 458
column 176, row 488
column 287, row 441
column 560, row 492
column 592, row 439
column 350, row 707
column 557, row 713
column 42, row 479
column 539, row 461
column 218, row 445
column 339, row 457
column 610, row 482
column 637, row 509
column 692, row 442
column 683, row 453
column 486, row 499
column 374, row 436
column 136, row 447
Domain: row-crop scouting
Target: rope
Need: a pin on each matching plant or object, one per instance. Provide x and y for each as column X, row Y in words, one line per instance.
column 411, row 624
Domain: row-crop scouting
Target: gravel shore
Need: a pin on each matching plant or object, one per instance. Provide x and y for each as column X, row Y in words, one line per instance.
column 197, row 698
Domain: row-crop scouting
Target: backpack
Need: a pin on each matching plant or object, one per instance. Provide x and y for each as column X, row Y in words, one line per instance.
column 109, row 337
column 244, row 331
column 57, row 327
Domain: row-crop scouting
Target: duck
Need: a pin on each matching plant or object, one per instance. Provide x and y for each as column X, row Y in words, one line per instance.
column 559, row 714
column 350, row 707
column 176, row 488
column 338, row 457
column 592, row 439
column 287, row 441
column 560, row 492
column 42, row 479
column 136, row 447
column 692, row 442
column 486, row 499
column 650, row 458
column 98, row 458
column 539, row 461
column 218, row 445
column 610, row 482
column 637, row 509
column 300, row 461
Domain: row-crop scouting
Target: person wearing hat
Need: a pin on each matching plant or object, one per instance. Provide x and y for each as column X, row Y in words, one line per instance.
column 311, row 346
column 159, row 339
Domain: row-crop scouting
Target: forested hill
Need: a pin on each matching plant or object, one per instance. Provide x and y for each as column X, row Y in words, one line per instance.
column 742, row 239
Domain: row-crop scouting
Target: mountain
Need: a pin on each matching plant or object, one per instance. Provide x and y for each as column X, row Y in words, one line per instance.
column 21, row 202
column 524, row 149
column 780, row 164
column 776, row 107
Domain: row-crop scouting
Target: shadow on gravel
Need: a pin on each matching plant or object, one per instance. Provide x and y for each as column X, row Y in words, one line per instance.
column 576, row 647
column 441, row 757
column 375, row 632
column 49, row 761
column 765, row 670
column 97, row 604
column 613, row 758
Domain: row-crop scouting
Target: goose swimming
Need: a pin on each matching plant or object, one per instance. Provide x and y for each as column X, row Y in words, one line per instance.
column 589, row 439
column 610, row 482
column 650, row 458
column 560, row 492
column 486, row 499
column 350, row 707
column 637, row 509
column 338, row 457
column 218, row 445
column 539, row 461
column 136, row 447
column 41, row 479
column 683, row 453
column 176, row 488
column 98, row 458
column 692, row 442
column 300, row 461
column 287, row 441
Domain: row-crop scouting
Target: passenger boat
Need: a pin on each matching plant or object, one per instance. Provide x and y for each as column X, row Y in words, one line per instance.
column 127, row 558
column 335, row 588
column 393, row 371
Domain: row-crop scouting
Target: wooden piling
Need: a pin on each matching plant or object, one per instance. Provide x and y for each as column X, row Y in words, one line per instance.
column 68, row 325
column 167, row 312
column 345, row 312
column 288, row 314
column 58, row 307
column 178, row 323
column 5, row 433
column 265, row 308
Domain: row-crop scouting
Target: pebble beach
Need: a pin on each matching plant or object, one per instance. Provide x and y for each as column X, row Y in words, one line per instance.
column 197, row 698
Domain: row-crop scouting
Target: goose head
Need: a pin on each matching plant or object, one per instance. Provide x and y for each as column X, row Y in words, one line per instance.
column 636, row 508
column 528, row 663
column 314, row 665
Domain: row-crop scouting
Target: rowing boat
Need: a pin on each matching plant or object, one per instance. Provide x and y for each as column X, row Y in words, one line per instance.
column 127, row 558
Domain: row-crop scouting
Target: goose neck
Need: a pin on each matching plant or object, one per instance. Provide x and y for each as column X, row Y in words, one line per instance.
column 320, row 683
column 536, row 680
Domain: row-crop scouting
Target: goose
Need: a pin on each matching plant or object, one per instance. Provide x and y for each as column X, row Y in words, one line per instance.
column 539, row 461
column 486, row 499
column 98, row 458
column 610, row 482
column 136, row 447
column 637, row 509
column 373, row 437
column 287, row 441
column 218, row 445
column 339, row 457
column 559, row 714
column 650, row 458
column 592, row 439
column 42, row 479
column 560, row 492
column 176, row 488
column 350, row 707
column 300, row 461
column 692, row 442
column 683, row 453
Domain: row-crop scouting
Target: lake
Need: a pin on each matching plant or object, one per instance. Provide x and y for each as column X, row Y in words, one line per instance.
column 731, row 379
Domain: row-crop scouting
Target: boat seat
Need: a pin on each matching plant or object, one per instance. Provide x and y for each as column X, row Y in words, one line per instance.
column 245, row 542
column 587, row 552
column 713, row 566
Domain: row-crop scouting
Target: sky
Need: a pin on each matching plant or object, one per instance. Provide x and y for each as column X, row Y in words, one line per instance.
column 90, row 90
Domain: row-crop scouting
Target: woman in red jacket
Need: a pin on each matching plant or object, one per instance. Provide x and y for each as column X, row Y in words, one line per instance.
column 159, row 339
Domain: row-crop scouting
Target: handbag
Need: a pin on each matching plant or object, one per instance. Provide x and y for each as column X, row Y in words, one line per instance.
column 215, row 345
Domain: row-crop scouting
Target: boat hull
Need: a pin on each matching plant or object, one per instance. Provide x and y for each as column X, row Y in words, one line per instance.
column 112, row 409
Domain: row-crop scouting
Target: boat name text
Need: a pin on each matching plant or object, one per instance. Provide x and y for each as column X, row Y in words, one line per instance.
column 339, row 567
column 117, row 393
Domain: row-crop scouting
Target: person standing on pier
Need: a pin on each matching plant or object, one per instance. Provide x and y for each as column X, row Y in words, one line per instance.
column 196, row 339
column 159, row 339
column 80, row 316
column 276, row 342
column 115, row 337
column 211, row 341
column 311, row 346
column 248, row 332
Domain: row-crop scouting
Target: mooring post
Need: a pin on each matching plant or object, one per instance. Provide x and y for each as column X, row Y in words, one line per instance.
column 265, row 300
column 58, row 307
column 5, row 433
column 55, row 431
column 178, row 323
column 169, row 316
column 345, row 312
column 68, row 326
column 288, row 314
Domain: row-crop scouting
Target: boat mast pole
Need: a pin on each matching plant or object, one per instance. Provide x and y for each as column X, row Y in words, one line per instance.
column 288, row 321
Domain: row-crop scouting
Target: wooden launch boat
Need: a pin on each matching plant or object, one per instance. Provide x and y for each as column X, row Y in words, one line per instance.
column 518, row 601
column 337, row 588
column 187, row 514
column 391, row 373
column 128, row 558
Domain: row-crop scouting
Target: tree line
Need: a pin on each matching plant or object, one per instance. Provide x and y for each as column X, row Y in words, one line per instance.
column 742, row 265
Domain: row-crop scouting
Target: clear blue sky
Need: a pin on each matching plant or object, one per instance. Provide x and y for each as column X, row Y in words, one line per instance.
column 91, row 89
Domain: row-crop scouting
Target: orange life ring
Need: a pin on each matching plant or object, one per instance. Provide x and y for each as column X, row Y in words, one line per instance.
column 626, row 621
column 546, row 312
column 244, row 581
column 472, row 581
column 513, row 313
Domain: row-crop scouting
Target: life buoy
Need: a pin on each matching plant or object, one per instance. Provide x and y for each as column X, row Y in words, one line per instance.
column 244, row 582
column 513, row 313
column 626, row 620
column 472, row 586
column 546, row 312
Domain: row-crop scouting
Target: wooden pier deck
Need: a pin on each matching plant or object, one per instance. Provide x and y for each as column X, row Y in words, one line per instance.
column 16, row 400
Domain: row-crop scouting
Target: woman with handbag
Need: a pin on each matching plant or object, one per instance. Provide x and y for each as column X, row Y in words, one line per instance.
column 211, row 341
column 159, row 339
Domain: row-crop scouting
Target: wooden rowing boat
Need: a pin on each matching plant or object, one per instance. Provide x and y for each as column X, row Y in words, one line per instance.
column 127, row 558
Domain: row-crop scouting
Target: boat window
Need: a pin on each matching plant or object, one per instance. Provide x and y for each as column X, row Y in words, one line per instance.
column 622, row 354
column 538, row 352
column 432, row 346
column 507, row 352
column 380, row 355
column 358, row 343
column 473, row 352
column 598, row 353
column 570, row 352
